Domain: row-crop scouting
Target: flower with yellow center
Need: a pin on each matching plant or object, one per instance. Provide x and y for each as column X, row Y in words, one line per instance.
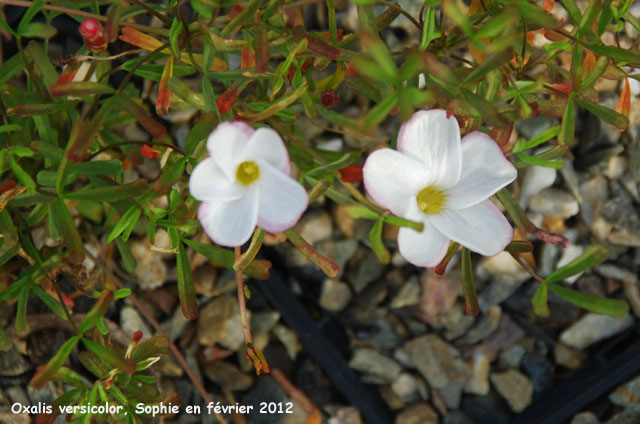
column 245, row 182
column 444, row 182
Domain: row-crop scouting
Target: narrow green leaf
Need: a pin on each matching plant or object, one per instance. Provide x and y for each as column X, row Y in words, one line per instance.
column 617, row 53
column 378, row 247
column 492, row 62
column 361, row 212
column 608, row 115
column 573, row 10
column 546, row 135
column 125, row 225
column 589, row 17
column 568, row 124
column 43, row 375
column 591, row 257
column 22, row 175
column 39, row 30
column 174, row 36
column 379, row 112
column 111, row 193
column 605, row 18
column 471, row 305
column 10, row 67
column 540, row 301
column 537, row 161
column 597, row 304
column 129, row 262
column 515, row 211
column 110, row 356
column 9, row 128
column 96, row 313
column 328, row 168
column 535, row 15
column 21, row 310
column 28, row 16
column 258, row 269
column 42, row 62
column 153, row 346
column 67, row 229
column 598, row 70
column 98, row 167
column 52, row 303
column 186, row 290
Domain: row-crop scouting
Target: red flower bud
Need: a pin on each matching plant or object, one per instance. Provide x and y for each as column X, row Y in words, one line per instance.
column 137, row 336
column 351, row 174
column 93, row 35
column 148, row 152
column 329, row 98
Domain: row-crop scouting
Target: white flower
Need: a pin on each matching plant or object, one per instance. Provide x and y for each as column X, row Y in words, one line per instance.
column 245, row 182
column 436, row 179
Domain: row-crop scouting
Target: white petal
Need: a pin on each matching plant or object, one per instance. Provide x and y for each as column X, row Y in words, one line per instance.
column 282, row 200
column 435, row 140
column 393, row 179
column 267, row 145
column 485, row 170
column 422, row 249
column 230, row 223
column 481, row 227
column 226, row 145
column 207, row 182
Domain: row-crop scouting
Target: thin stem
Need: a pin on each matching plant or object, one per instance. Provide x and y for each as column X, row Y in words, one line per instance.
column 154, row 12
column 248, row 338
column 78, row 58
column 527, row 267
column 402, row 11
column 68, row 11
column 124, row 143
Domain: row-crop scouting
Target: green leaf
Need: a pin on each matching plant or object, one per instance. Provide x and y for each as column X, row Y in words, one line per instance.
column 537, row 140
column 515, row 211
column 540, row 301
column 199, row 132
column 597, row 304
column 121, row 294
column 9, row 128
column 153, row 346
column 96, row 313
column 5, row 26
column 5, row 343
column 379, row 112
column 39, row 30
column 21, row 310
column 589, row 17
column 537, row 161
column 98, row 167
column 111, row 193
column 110, row 356
column 492, row 62
column 22, row 175
column 28, row 16
column 361, row 212
column 186, row 290
column 129, row 262
column 568, row 124
column 471, row 305
column 617, row 53
column 258, row 269
column 375, row 237
column 43, row 375
column 174, row 34
column 573, row 10
column 10, row 67
column 328, row 168
column 67, row 229
column 42, row 61
column 591, row 257
column 52, row 303
column 608, row 115
column 125, row 225
column 536, row 15
column 598, row 70
column 605, row 18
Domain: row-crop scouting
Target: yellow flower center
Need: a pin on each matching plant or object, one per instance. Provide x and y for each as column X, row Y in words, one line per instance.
column 247, row 172
column 431, row 200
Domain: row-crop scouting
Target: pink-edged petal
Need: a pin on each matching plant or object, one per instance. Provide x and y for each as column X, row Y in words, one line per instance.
column 435, row 140
column 485, row 170
column 481, row 227
column 227, row 143
column 230, row 223
column 207, row 182
column 267, row 145
column 426, row 248
column 282, row 200
column 393, row 179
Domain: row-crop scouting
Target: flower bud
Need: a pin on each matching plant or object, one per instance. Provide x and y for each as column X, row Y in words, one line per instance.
column 93, row 35
column 137, row 336
column 329, row 98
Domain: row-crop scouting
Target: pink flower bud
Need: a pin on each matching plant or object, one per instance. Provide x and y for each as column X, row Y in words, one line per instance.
column 93, row 35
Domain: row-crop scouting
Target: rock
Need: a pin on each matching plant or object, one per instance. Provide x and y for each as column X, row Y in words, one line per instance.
column 612, row 271
column 616, row 167
column 627, row 394
column 478, row 383
column 570, row 253
column 408, row 295
column 343, row 220
column 346, row 415
column 536, row 179
column 289, row 339
column 265, row 390
column 297, row 416
column 452, row 395
column 585, row 418
column 420, row 413
column 219, row 322
column 174, row 326
column 532, row 127
column 228, row 376
column 436, row 360
column 630, row 415
column 457, row 417
column 439, row 293
column 593, row 192
column 487, row 324
column 514, row 387
column 335, row 295
column 508, row 333
column 539, row 370
column 10, row 417
column 505, row 275
column 363, row 270
column 405, row 386
column 388, row 396
column 511, row 357
column 338, row 251
column 372, row 362
column 315, row 227
column 150, row 271
column 131, row 321
column 263, row 322
column 554, row 202
column 567, row 357
column 620, row 213
column 456, row 322
column 592, row 328
column 486, row 409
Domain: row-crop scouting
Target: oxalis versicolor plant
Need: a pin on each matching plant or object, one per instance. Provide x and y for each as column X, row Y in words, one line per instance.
column 248, row 73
